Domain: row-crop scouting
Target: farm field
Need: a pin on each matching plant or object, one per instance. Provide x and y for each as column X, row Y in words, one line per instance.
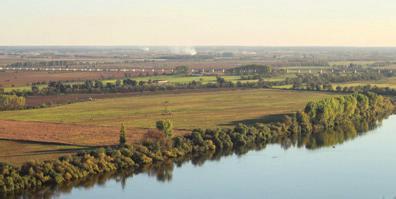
column 17, row 152
column 388, row 82
column 97, row 122
column 174, row 79
column 22, row 79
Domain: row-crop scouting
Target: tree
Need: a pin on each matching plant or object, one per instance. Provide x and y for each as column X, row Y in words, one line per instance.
column 98, row 84
column 122, row 135
column 304, row 121
column 118, row 83
column 181, row 70
column 11, row 102
column 35, row 89
column 130, row 82
column 220, row 80
column 166, row 127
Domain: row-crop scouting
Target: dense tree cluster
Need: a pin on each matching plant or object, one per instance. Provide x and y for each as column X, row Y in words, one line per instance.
column 348, row 89
column 368, row 88
column 181, row 70
column 159, row 147
column 126, row 85
column 310, row 81
column 253, row 69
column 11, row 102
column 55, row 63
column 330, row 112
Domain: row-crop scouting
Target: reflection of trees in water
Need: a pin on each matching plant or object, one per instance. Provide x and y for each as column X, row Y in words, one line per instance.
column 87, row 183
column 346, row 131
column 163, row 171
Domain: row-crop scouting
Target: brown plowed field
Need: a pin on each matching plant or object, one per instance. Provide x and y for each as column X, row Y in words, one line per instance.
column 83, row 135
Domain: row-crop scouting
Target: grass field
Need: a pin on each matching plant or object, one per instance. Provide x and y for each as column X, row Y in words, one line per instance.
column 97, row 123
column 189, row 110
column 388, row 82
column 10, row 79
column 16, row 152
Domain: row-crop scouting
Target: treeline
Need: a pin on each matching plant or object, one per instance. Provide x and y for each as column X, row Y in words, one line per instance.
column 159, row 147
column 125, row 85
column 387, row 91
column 56, row 63
column 330, row 112
column 369, row 88
column 303, row 80
column 255, row 69
column 11, row 102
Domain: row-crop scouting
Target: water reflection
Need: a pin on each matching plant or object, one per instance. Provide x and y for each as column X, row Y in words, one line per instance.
column 163, row 171
column 330, row 138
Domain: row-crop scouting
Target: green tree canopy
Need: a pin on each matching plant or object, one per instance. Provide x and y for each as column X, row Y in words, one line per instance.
column 122, row 135
column 166, row 126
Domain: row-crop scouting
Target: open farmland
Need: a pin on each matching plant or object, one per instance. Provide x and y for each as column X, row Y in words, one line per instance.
column 25, row 78
column 97, row 122
column 388, row 82
column 23, row 82
column 17, row 152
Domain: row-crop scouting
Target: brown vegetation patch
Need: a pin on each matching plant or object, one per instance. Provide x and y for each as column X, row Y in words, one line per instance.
column 71, row 134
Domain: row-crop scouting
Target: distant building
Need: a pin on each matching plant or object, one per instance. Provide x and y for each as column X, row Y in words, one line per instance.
column 160, row 81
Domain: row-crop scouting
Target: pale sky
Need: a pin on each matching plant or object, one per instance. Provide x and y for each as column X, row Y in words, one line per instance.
column 198, row 22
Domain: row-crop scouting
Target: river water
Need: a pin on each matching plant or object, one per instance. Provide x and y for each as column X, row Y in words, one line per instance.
column 361, row 167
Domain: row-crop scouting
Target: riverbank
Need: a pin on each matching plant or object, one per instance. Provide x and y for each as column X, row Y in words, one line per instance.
column 328, row 114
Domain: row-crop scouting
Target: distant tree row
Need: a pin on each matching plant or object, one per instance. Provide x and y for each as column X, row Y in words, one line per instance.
column 253, row 69
column 55, row 63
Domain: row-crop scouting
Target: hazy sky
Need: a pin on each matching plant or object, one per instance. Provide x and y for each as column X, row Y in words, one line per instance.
column 198, row 22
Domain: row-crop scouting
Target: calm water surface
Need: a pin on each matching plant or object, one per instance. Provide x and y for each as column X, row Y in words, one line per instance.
column 364, row 167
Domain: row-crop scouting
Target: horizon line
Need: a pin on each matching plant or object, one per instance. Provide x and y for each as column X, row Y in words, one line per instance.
column 230, row 45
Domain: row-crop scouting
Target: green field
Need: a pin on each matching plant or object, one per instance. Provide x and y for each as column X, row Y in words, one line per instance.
column 388, row 82
column 188, row 110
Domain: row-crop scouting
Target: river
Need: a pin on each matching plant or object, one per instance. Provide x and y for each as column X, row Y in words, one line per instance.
column 363, row 166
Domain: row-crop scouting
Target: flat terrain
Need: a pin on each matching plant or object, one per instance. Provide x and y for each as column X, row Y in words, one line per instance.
column 24, row 78
column 97, row 122
column 388, row 82
column 16, row 152
column 70, row 134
